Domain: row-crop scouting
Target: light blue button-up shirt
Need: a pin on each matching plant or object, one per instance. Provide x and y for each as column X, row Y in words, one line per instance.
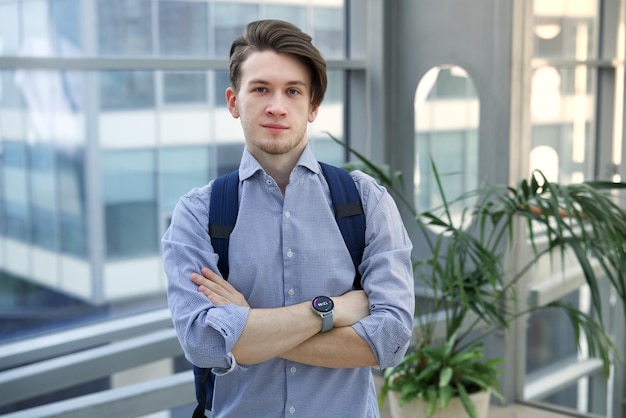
column 285, row 250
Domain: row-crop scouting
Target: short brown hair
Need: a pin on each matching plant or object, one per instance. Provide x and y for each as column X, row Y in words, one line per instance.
column 282, row 38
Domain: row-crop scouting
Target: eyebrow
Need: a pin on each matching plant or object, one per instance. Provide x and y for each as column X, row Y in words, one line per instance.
column 289, row 83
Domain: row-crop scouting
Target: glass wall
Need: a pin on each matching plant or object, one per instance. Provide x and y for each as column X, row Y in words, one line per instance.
column 95, row 154
column 565, row 95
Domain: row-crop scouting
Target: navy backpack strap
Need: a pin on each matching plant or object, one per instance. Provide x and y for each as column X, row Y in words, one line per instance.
column 348, row 213
column 223, row 210
column 204, row 381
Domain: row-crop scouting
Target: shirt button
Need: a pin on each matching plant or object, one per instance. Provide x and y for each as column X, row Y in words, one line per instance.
column 291, row 292
column 293, row 370
column 292, row 410
column 287, row 214
column 289, row 253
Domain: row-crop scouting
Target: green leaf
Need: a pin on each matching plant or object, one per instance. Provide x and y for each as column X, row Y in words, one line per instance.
column 445, row 377
column 467, row 402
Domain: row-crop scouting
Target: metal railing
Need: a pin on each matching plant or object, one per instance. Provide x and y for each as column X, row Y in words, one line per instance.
column 38, row 366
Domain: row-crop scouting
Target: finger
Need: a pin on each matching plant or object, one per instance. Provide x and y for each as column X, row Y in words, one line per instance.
column 210, row 286
column 218, row 300
column 211, row 275
column 215, row 278
column 204, row 290
column 200, row 279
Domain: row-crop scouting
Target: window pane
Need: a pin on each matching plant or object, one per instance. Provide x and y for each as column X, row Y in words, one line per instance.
column 126, row 90
column 35, row 27
column 562, row 119
column 124, row 27
column 182, row 28
column 330, row 118
column 66, row 25
column 446, row 131
column 72, row 202
column 44, row 196
column 184, row 88
column 129, row 193
column 293, row 14
column 566, row 29
column 178, row 175
column 328, row 35
column 9, row 28
column 16, row 220
column 10, row 94
column 229, row 21
column 221, row 84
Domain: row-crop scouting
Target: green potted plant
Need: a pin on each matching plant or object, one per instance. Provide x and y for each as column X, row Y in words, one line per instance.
column 473, row 292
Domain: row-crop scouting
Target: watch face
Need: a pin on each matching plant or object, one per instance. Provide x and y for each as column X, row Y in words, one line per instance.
column 323, row 304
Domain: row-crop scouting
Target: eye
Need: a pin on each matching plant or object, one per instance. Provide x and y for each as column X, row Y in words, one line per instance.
column 293, row 92
column 260, row 89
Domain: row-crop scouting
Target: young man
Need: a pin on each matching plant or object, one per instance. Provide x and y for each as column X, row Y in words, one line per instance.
column 258, row 330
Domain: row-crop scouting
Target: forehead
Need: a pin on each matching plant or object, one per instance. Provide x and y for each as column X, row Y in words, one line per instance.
column 272, row 67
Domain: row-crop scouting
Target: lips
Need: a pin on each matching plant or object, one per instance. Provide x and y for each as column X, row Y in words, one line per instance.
column 274, row 127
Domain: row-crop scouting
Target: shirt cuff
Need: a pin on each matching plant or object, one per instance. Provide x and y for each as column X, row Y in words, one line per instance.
column 221, row 371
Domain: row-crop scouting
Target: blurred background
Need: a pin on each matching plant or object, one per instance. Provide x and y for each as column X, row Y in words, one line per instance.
column 112, row 109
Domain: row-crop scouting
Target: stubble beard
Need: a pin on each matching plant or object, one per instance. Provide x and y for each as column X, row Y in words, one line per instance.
column 275, row 146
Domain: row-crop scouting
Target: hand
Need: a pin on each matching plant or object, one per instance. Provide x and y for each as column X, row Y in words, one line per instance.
column 217, row 290
column 350, row 308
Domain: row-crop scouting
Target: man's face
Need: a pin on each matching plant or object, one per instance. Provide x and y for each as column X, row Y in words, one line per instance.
column 274, row 103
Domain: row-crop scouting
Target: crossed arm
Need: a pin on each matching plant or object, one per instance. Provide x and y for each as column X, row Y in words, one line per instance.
column 293, row 332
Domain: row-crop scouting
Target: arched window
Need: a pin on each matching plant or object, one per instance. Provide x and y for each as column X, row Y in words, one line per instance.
column 447, row 112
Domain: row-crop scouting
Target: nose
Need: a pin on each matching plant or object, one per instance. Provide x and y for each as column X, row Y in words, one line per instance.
column 276, row 106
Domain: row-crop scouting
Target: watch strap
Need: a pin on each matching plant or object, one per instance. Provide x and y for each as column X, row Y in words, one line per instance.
column 327, row 321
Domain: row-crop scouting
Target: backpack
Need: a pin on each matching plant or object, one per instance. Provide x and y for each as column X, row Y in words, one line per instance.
column 224, row 207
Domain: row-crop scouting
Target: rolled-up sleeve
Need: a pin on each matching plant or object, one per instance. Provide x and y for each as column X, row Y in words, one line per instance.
column 207, row 333
column 387, row 276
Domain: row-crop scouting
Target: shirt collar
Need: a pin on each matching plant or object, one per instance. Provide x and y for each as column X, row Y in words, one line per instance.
column 249, row 165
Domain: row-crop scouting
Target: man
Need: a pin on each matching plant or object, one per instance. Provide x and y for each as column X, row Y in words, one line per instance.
column 258, row 330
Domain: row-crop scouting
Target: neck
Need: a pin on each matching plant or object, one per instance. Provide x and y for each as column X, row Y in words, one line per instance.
column 278, row 166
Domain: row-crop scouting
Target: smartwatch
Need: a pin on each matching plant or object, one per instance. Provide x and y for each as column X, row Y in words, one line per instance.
column 323, row 306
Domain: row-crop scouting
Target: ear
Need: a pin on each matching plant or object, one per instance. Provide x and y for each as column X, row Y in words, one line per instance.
column 231, row 102
column 313, row 113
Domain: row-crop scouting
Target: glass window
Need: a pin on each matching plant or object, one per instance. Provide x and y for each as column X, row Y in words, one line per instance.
column 124, row 27
column 72, row 202
column 222, row 82
column 563, row 116
column 446, row 132
column 66, row 26
column 129, row 194
column 293, row 14
column 183, row 28
column 328, row 25
column 16, row 215
column 35, row 28
column 126, row 90
column 335, row 91
column 9, row 28
column 228, row 157
column 184, row 88
column 44, row 196
column 566, row 29
column 178, row 176
column 550, row 337
column 10, row 94
column 229, row 21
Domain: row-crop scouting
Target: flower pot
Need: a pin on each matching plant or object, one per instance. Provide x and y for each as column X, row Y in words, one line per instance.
column 417, row 407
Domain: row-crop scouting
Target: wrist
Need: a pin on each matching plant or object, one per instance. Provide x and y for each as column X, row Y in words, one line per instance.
column 324, row 306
